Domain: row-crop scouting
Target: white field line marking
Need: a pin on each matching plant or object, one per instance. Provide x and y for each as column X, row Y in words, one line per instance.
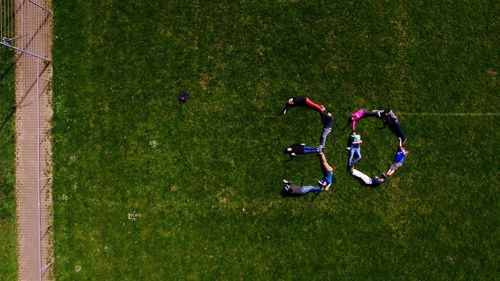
column 466, row 114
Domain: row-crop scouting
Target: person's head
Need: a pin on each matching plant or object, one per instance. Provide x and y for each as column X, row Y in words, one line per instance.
column 286, row 189
column 354, row 133
column 290, row 101
column 381, row 179
column 405, row 151
column 183, row 96
column 386, row 111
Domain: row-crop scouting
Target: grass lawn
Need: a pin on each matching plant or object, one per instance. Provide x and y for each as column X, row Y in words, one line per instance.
column 8, row 258
column 148, row 189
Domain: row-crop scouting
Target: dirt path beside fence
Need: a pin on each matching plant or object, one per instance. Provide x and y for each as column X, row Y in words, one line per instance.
column 33, row 149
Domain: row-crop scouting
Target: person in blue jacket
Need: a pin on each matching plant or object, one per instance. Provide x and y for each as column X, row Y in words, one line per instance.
column 327, row 179
column 399, row 159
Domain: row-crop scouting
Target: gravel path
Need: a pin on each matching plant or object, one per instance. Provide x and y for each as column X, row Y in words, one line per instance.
column 33, row 111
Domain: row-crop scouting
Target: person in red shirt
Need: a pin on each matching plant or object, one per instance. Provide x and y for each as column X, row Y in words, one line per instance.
column 303, row 101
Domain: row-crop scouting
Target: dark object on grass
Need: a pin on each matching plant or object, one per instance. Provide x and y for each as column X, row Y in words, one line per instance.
column 183, row 96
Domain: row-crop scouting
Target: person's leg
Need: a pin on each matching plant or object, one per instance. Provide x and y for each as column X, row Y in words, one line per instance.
column 322, row 139
column 368, row 113
column 357, row 154
column 351, row 154
column 306, row 189
column 314, row 105
column 394, row 166
column 365, row 178
column 399, row 132
column 311, row 149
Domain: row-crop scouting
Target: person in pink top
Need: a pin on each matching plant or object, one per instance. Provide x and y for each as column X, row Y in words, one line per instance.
column 360, row 113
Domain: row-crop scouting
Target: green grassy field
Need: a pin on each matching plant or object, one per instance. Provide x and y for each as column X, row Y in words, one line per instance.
column 148, row 189
column 8, row 260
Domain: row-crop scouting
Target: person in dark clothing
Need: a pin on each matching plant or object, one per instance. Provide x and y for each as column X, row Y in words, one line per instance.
column 301, row 149
column 291, row 188
column 327, row 127
column 390, row 119
column 367, row 180
column 303, row 101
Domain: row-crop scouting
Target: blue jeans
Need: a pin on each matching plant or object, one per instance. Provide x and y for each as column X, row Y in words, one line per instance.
column 311, row 149
column 322, row 139
column 306, row 189
column 354, row 155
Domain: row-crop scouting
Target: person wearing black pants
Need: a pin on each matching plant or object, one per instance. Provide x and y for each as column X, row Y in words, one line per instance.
column 390, row 119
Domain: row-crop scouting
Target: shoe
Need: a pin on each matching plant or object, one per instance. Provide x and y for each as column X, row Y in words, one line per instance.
column 293, row 154
column 284, row 110
column 285, row 181
column 348, row 147
column 289, row 149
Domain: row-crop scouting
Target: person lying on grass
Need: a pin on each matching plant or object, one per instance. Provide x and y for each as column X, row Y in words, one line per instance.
column 301, row 149
column 354, row 149
column 324, row 184
column 327, row 127
column 390, row 119
column 303, row 101
column 291, row 188
column 358, row 114
column 399, row 158
column 367, row 180
column 326, row 181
